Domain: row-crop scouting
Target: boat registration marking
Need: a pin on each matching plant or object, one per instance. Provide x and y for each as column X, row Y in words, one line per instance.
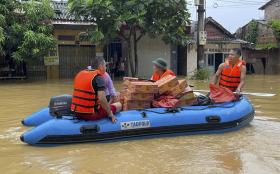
column 135, row 124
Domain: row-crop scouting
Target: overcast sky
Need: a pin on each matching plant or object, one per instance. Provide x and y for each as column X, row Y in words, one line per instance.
column 232, row 14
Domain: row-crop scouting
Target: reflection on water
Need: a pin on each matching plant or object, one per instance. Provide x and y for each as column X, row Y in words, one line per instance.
column 254, row 149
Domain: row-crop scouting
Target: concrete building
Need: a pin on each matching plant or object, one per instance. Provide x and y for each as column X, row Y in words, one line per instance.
column 263, row 56
column 75, row 54
column 148, row 50
column 271, row 9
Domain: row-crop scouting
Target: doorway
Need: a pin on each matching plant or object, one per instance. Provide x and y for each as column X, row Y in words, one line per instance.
column 74, row 58
column 264, row 64
column 219, row 58
column 182, row 61
column 113, row 55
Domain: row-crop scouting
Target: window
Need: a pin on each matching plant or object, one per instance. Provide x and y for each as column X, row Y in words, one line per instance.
column 211, row 59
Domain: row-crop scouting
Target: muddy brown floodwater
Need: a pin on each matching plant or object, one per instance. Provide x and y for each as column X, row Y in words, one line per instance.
column 254, row 149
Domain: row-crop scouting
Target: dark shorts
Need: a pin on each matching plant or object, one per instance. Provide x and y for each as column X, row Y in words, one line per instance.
column 98, row 115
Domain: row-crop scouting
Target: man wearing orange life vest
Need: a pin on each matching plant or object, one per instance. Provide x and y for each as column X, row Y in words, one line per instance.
column 160, row 69
column 231, row 74
column 89, row 99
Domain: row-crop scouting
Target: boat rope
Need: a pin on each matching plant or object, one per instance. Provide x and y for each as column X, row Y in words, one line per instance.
column 178, row 109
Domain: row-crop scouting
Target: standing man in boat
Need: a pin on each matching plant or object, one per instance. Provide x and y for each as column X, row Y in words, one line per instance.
column 160, row 69
column 89, row 99
column 231, row 74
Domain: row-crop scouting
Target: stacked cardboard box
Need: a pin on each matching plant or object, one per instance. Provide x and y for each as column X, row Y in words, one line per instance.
column 130, row 78
column 180, row 88
column 134, row 104
column 138, row 94
column 127, row 80
column 166, row 83
column 143, row 87
column 186, row 98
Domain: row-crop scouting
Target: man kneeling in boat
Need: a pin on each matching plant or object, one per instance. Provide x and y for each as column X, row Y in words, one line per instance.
column 160, row 69
column 89, row 99
column 231, row 74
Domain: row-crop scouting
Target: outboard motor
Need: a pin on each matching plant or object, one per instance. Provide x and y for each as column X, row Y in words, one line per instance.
column 60, row 105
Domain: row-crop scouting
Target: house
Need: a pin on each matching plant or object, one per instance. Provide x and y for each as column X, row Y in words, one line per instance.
column 219, row 42
column 71, row 54
column 271, row 9
column 75, row 54
column 263, row 54
column 262, row 57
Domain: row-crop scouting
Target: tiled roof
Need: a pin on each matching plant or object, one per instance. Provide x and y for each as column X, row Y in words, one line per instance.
column 63, row 16
column 266, row 4
column 61, row 11
column 217, row 24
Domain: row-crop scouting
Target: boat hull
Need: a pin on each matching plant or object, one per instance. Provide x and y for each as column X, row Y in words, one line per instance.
column 145, row 123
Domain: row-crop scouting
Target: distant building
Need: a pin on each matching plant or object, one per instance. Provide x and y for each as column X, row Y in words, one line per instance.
column 75, row 53
column 263, row 56
column 219, row 42
column 271, row 9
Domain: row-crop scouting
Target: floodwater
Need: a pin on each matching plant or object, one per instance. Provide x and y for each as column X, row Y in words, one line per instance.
column 254, row 149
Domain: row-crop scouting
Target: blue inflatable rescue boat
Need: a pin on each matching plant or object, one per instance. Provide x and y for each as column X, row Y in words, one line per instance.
column 63, row 127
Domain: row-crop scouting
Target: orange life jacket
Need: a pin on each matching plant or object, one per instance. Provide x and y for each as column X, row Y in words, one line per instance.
column 157, row 77
column 85, row 99
column 230, row 76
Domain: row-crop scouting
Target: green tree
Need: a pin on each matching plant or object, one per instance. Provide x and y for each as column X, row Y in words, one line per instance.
column 25, row 29
column 132, row 19
column 252, row 34
column 275, row 25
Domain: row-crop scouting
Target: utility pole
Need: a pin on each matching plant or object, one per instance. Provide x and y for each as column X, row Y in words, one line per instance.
column 201, row 34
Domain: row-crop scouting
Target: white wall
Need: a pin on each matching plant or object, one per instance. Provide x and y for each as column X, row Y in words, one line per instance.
column 148, row 50
column 191, row 60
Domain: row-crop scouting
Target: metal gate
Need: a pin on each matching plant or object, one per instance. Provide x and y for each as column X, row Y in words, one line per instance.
column 73, row 58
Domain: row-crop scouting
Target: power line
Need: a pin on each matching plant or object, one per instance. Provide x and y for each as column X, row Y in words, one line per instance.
column 231, row 3
column 240, row 2
column 243, row 1
column 236, row 4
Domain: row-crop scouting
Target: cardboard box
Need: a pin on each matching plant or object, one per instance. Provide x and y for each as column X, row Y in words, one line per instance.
column 187, row 98
column 125, row 84
column 127, row 80
column 166, row 83
column 186, row 90
column 143, row 87
column 178, row 89
column 139, row 96
column 130, row 79
column 134, row 104
column 183, row 83
column 122, row 94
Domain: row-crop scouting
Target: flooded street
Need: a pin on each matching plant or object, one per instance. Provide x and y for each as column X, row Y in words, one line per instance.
column 254, row 149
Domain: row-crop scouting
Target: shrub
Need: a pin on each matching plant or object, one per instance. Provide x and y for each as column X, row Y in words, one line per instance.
column 201, row 74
